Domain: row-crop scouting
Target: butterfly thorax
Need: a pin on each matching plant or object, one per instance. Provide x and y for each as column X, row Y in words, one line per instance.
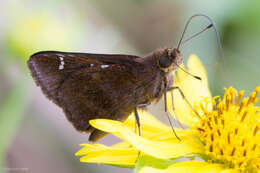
column 161, row 65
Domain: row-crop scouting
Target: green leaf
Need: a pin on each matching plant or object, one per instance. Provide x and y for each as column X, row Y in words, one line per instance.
column 149, row 161
column 122, row 166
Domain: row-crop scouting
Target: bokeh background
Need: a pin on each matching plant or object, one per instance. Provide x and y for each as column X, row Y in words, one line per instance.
column 34, row 134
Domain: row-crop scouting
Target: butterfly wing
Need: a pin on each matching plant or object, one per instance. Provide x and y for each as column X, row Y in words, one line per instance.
column 88, row 86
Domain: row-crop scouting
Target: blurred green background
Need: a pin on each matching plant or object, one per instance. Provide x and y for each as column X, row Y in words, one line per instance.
column 34, row 134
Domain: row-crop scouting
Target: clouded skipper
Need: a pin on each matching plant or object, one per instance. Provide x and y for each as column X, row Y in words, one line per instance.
column 90, row 86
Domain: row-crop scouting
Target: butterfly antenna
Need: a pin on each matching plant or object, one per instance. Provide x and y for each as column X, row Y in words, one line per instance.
column 196, row 77
column 212, row 24
column 195, row 35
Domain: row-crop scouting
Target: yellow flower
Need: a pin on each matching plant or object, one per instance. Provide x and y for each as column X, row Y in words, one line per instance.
column 223, row 138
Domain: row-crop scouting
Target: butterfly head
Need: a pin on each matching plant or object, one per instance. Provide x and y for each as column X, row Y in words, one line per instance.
column 170, row 59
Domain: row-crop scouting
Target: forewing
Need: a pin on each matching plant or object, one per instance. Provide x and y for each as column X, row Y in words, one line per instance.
column 87, row 86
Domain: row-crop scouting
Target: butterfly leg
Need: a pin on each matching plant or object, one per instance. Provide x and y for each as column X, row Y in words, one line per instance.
column 175, row 113
column 167, row 113
column 137, row 119
column 166, row 106
column 183, row 96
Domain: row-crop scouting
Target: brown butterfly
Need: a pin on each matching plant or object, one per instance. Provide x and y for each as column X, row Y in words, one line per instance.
column 90, row 86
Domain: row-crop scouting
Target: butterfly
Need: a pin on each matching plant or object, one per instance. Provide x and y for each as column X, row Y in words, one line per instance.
column 90, row 86
column 112, row 86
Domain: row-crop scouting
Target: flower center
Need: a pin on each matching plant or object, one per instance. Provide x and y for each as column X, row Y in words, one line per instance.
column 231, row 130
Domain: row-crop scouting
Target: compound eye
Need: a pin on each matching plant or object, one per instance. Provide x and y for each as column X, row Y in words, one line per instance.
column 165, row 62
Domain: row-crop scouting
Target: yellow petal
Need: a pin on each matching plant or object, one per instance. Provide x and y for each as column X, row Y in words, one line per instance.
column 213, row 168
column 150, row 126
column 159, row 149
column 151, row 170
column 187, row 167
column 145, row 119
column 194, row 90
column 229, row 171
column 97, row 153
column 88, row 148
column 122, row 145
column 195, row 67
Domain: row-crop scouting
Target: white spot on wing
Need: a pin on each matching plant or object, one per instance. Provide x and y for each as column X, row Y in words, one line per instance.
column 62, row 63
column 60, row 55
column 91, row 65
column 71, row 55
column 104, row 66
